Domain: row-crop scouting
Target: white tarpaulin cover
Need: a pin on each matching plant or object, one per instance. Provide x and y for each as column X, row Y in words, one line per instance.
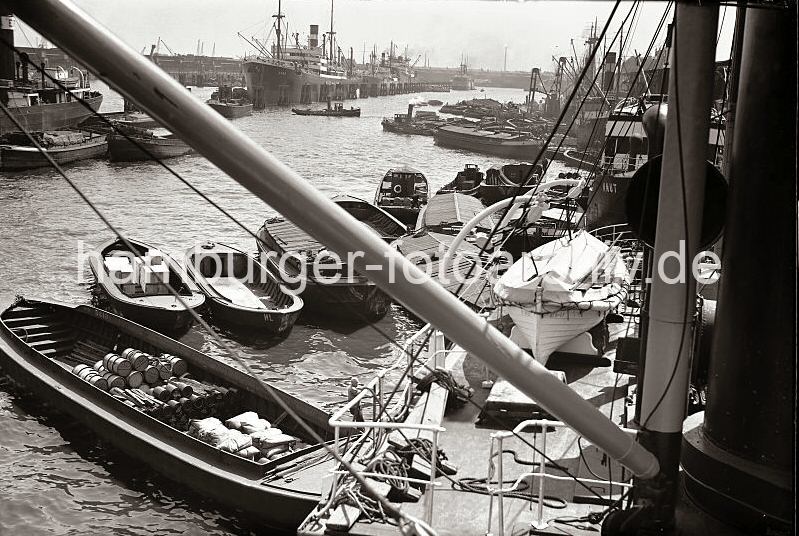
column 558, row 268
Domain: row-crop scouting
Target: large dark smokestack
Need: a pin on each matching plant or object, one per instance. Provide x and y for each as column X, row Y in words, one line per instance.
column 7, row 68
column 313, row 39
column 608, row 71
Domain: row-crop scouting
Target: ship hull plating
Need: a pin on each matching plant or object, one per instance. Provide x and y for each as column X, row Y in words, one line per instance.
column 44, row 117
column 272, row 85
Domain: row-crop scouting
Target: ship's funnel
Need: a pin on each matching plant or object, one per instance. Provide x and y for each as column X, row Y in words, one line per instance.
column 608, row 71
column 7, row 68
column 313, row 39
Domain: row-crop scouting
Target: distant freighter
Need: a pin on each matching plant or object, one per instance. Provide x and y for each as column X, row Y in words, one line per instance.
column 288, row 74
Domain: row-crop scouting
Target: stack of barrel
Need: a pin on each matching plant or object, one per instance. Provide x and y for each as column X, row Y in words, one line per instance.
column 157, row 385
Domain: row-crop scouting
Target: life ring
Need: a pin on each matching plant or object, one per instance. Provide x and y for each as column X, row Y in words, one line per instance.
column 397, row 188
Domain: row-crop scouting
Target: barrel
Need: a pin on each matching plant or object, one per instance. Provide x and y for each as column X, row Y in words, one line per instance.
column 89, row 375
column 135, row 379
column 161, row 393
column 164, row 371
column 137, row 358
column 175, row 405
column 197, row 402
column 151, row 375
column 178, row 365
column 117, row 364
column 185, row 390
column 113, row 380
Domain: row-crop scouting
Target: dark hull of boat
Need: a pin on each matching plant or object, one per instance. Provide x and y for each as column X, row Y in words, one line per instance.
column 57, row 116
column 355, row 301
column 122, row 150
column 409, row 128
column 129, row 119
column 407, row 215
column 490, row 193
column 271, row 85
column 164, row 449
column 328, row 113
column 232, row 111
column 162, row 320
column 608, row 201
column 358, row 299
column 521, row 150
column 15, row 158
column 271, row 322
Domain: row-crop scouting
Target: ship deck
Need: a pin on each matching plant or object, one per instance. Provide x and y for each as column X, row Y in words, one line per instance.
column 467, row 443
column 567, row 505
column 459, row 512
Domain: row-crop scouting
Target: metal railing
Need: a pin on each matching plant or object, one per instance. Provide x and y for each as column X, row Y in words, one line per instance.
column 539, row 458
column 376, row 431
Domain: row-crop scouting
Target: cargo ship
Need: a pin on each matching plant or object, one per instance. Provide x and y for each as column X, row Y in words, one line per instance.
column 287, row 74
column 36, row 102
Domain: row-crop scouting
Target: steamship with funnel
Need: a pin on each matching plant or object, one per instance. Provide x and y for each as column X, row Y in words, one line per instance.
column 729, row 469
column 37, row 104
column 287, row 74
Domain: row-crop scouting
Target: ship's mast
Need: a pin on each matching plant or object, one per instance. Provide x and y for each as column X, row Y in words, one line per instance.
column 279, row 17
column 331, row 33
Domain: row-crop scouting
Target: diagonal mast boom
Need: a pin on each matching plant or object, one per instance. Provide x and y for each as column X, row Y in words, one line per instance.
column 273, row 182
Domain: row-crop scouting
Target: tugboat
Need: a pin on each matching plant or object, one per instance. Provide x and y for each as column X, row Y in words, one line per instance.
column 336, row 110
column 230, row 102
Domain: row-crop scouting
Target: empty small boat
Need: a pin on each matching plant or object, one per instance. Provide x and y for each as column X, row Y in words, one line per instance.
column 63, row 146
column 201, row 423
column 380, row 221
column 240, row 290
column 137, row 283
column 145, row 145
column 402, row 193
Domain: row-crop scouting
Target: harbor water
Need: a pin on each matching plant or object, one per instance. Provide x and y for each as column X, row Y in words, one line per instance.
column 57, row 478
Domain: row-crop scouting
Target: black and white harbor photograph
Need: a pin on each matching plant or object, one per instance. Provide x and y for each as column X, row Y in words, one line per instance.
column 412, row 267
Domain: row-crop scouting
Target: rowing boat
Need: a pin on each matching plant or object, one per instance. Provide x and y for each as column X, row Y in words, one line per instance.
column 374, row 217
column 40, row 341
column 136, row 282
column 240, row 290
column 63, row 146
column 144, row 145
column 327, row 287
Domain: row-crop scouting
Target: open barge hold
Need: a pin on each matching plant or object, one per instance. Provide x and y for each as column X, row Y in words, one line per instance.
column 45, row 345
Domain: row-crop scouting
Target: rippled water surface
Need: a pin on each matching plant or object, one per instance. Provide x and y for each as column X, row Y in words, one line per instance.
column 55, row 478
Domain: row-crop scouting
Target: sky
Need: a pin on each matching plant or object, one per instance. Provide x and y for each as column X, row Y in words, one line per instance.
column 443, row 30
